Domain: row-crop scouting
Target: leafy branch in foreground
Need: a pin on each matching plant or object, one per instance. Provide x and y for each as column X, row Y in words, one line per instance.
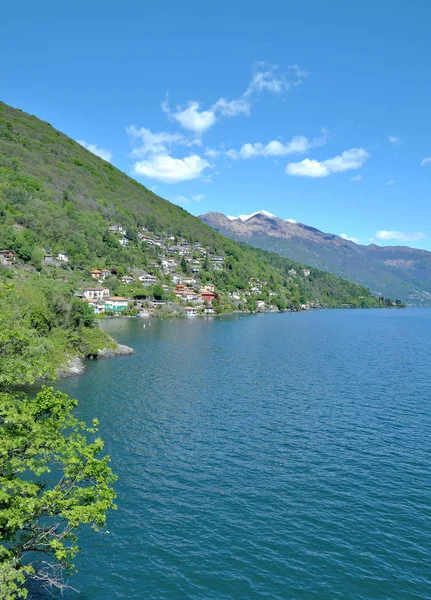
column 52, row 480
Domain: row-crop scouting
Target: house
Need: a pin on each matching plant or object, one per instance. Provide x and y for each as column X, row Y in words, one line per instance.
column 105, row 273
column 63, row 257
column 154, row 265
column 209, row 311
column 117, row 229
column 7, row 257
column 306, row 272
column 217, row 259
column 195, row 267
column 147, row 279
column 96, row 274
column 189, row 280
column 124, row 241
column 208, row 296
column 97, row 305
column 209, row 287
column 127, row 279
column 116, row 304
column 49, row 260
column 147, row 239
column 260, row 304
column 190, row 311
column 176, row 278
column 165, row 287
column 157, row 302
column 96, row 293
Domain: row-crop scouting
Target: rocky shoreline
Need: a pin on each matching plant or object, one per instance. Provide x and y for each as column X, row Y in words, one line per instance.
column 76, row 365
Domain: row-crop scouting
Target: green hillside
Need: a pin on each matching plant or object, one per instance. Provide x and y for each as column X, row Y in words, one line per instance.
column 55, row 196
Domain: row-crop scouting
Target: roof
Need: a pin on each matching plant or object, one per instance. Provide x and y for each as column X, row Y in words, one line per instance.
column 117, row 298
column 95, row 289
column 96, row 271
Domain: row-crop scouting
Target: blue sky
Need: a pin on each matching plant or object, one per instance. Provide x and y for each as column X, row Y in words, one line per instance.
column 318, row 112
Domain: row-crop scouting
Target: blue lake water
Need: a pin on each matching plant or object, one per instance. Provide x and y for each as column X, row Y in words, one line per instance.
column 268, row 456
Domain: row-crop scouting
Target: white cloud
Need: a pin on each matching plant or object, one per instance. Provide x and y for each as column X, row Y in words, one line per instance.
column 171, row 170
column 348, row 160
column 393, row 139
column 155, row 142
column 399, row 236
column 391, row 181
column 349, row 239
column 426, row 161
column 191, row 117
column 265, row 78
column 356, row 178
column 101, row 152
column 297, row 145
column 232, row 108
column 291, row 221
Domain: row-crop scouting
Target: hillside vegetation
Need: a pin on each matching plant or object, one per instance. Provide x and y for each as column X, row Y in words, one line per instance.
column 55, row 196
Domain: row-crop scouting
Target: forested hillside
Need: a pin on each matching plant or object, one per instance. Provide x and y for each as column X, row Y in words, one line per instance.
column 55, row 196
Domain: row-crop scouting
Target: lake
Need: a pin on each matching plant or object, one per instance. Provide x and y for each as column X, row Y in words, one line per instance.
column 264, row 456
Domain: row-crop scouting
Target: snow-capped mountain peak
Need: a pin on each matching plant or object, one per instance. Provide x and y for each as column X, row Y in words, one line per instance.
column 265, row 213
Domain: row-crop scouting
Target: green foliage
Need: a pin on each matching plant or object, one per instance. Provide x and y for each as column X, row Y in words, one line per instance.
column 53, row 479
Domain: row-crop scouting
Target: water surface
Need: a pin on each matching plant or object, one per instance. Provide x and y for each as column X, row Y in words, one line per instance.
column 268, row 456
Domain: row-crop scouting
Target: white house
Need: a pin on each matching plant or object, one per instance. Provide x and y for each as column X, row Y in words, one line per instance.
column 96, row 293
column 188, row 280
column 117, row 229
column 127, row 279
column 63, row 257
column 124, row 241
column 260, row 305
column 190, row 311
column 306, row 272
column 147, row 279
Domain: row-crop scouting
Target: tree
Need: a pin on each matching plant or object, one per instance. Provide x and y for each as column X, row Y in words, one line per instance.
column 184, row 266
column 52, row 480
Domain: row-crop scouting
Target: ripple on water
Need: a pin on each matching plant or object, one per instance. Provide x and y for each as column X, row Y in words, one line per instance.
column 276, row 456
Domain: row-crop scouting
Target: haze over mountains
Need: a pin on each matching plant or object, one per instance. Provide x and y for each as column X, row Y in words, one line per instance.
column 396, row 271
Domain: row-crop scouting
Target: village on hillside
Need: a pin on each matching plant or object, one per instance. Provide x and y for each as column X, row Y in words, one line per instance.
column 171, row 284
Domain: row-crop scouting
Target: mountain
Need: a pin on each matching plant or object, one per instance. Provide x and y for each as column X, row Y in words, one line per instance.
column 396, row 271
column 58, row 198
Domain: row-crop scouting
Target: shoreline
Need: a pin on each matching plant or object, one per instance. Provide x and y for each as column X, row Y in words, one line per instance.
column 75, row 365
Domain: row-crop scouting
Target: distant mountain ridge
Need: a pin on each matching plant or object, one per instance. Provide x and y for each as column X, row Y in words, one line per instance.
column 397, row 271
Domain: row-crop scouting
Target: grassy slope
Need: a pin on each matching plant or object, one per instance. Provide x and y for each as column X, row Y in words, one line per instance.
column 56, row 195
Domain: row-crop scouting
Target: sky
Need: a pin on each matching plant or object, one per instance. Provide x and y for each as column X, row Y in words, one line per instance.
column 317, row 111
